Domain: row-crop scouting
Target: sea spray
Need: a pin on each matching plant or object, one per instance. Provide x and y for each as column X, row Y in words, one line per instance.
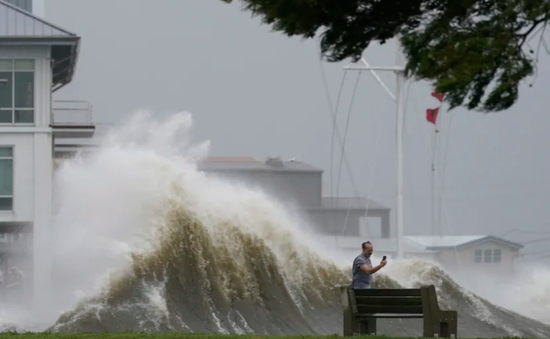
column 226, row 258
column 216, row 244
column 146, row 242
column 525, row 289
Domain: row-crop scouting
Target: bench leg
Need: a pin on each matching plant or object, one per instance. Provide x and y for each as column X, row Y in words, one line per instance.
column 448, row 324
column 442, row 325
column 368, row 327
column 352, row 327
column 350, row 323
column 444, row 329
column 428, row 328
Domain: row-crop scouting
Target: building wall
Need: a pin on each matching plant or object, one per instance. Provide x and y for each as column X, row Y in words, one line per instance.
column 23, row 177
column 42, row 84
column 33, row 167
column 464, row 260
column 32, row 143
column 24, row 4
column 429, row 257
column 300, row 188
column 337, row 222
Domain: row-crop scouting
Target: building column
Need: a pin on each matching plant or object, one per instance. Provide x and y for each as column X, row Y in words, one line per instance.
column 42, row 231
column 385, row 224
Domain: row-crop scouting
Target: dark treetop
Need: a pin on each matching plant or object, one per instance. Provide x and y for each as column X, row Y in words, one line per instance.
column 475, row 51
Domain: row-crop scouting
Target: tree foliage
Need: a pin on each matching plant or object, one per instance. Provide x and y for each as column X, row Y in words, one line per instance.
column 473, row 50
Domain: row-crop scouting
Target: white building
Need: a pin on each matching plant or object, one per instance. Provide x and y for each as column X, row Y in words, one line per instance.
column 36, row 59
column 472, row 254
column 458, row 253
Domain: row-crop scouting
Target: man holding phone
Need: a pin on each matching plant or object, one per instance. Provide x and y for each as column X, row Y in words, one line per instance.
column 362, row 267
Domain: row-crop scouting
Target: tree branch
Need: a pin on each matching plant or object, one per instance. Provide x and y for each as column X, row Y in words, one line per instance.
column 536, row 23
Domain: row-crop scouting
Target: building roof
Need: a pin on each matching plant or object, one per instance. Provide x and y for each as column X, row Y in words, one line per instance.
column 232, row 159
column 19, row 27
column 381, row 245
column 412, row 244
column 458, row 241
column 16, row 22
column 250, row 164
column 345, row 203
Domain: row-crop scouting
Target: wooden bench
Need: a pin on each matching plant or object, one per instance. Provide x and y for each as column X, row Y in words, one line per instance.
column 362, row 307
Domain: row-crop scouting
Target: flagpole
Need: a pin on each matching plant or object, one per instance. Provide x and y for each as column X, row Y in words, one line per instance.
column 398, row 70
column 399, row 128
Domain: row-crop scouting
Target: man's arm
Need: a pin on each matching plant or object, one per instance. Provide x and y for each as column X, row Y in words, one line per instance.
column 365, row 268
column 369, row 270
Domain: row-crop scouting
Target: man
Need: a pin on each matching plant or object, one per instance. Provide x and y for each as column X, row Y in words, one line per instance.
column 362, row 267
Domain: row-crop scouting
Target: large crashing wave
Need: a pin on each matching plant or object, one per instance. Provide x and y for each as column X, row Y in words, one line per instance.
column 221, row 279
column 174, row 249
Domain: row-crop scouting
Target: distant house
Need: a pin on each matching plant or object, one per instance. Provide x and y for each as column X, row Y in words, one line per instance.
column 460, row 253
column 485, row 253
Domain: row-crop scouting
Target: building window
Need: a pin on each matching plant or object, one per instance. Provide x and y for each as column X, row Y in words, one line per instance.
column 488, row 256
column 478, row 257
column 16, row 91
column 497, row 255
column 6, row 178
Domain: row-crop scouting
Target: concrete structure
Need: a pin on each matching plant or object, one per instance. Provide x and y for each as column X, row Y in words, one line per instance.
column 300, row 186
column 459, row 254
column 36, row 59
column 292, row 181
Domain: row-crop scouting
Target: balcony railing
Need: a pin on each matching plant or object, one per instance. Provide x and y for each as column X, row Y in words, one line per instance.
column 16, row 242
column 72, row 113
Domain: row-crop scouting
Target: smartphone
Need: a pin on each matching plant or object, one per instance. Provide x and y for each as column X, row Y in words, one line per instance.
column 383, row 258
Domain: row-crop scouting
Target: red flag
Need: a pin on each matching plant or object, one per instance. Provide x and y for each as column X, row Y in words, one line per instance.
column 431, row 114
column 437, row 95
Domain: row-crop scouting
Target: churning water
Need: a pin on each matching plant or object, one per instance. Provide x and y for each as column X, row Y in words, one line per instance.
column 146, row 242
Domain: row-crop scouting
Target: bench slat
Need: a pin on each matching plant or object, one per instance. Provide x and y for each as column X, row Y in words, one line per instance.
column 406, row 301
column 390, row 309
column 391, row 292
column 362, row 317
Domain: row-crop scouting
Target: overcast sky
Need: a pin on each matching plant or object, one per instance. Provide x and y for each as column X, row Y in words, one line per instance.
column 254, row 92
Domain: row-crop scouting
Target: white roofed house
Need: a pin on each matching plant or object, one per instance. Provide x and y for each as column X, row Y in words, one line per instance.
column 36, row 59
column 471, row 253
column 455, row 253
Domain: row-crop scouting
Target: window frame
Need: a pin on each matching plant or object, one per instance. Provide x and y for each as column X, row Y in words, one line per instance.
column 12, row 158
column 499, row 255
column 478, row 256
column 13, row 108
column 481, row 257
column 487, row 259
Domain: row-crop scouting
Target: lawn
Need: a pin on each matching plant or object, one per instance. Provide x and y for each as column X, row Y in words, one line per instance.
column 166, row 336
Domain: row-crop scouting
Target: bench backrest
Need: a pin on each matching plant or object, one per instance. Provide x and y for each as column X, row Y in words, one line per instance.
column 389, row 301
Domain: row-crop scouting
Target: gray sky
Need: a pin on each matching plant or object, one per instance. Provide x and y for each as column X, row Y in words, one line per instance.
column 254, row 92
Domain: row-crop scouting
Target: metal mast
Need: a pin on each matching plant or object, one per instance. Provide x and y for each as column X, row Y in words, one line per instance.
column 398, row 70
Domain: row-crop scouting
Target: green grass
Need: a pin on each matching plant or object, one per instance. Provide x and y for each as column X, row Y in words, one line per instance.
column 167, row 336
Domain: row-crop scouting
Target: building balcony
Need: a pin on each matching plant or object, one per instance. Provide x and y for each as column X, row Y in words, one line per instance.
column 72, row 119
column 16, row 243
